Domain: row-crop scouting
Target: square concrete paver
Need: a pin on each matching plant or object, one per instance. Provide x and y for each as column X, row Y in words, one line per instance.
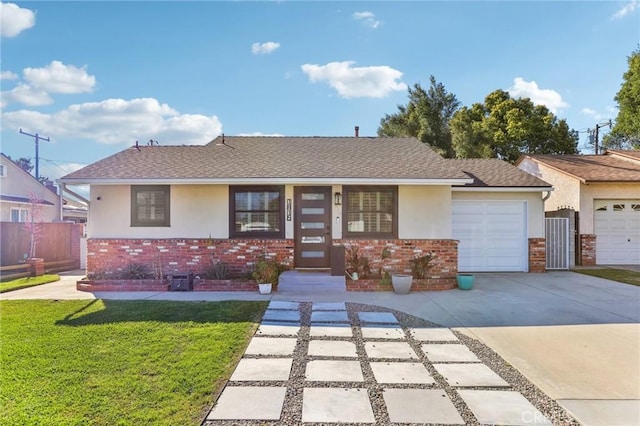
column 333, row 330
column 401, row 372
column 433, row 335
column 390, row 350
column 329, row 316
column 281, row 315
column 502, row 407
column 278, row 329
column 449, row 353
column 271, row 346
column 332, row 348
column 420, row 406
column 329, row 306
column 378, row 317
column 334, row 371
column 382, row 332
column 336, row 405
column 277, row 304
column 250, row 369
column 249, row 403
column 476, row 375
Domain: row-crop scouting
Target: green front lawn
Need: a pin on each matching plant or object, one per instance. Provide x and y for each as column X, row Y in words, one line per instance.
column 104, row 362
column 620, row 275
column 27, row 282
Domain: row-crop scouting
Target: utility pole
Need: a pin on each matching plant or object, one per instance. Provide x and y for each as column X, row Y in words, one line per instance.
column 598, row 127
column 37, row 138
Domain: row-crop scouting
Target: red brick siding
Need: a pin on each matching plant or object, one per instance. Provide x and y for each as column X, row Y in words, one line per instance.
column 445, row 263
column 110, row 256
column 37, row 266
column 537, row 255
column 587, row 249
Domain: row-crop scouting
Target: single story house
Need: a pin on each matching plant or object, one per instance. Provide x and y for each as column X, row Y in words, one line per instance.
column 605, row 191
column 294, row 198
column 19, row 191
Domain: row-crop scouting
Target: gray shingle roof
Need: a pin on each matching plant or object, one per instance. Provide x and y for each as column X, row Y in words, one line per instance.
column 492, row 172
column 593, row 168
column 276, row 157
column 298, row 158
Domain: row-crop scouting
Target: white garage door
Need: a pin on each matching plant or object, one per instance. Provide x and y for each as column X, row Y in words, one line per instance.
column 492, row 235
column 617, row 229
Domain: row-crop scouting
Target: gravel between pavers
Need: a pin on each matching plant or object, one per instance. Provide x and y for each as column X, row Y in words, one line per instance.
column 292, row 409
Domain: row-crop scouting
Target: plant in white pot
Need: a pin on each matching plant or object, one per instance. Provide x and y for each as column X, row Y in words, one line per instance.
column 400, row 282
column 267, row 272
column 357, row 264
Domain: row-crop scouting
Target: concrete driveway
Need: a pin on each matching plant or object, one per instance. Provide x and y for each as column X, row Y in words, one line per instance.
column 574, row 336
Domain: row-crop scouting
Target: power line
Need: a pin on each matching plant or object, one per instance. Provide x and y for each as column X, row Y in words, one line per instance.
column 596, row 133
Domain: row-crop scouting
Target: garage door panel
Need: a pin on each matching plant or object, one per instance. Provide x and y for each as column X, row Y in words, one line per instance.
column 492, row 235
column 617, row 230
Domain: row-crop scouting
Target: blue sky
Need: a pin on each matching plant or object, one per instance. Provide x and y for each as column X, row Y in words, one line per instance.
column 95, row 77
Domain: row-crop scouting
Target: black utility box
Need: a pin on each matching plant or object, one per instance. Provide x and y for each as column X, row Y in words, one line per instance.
column 181, row 282
column 337, row 261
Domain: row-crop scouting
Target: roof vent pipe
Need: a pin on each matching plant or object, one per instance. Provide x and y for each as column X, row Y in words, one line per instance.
column 357, row 131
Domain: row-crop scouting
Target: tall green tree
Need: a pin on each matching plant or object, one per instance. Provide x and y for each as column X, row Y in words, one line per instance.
column 24, row 163
column 626, row 132
column 504, row 127
column 425, row 117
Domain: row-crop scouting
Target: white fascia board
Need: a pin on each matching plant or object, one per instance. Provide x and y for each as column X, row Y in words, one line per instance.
column 501, row 189
column 267, row 181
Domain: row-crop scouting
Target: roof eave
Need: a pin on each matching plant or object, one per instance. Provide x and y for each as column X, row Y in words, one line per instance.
column 501, row 188
column 269, row 180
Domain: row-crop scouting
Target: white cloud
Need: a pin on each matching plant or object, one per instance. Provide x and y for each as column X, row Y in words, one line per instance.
column 264, row 48
column 529, row 89
column 119, row 121
column 60, row 78
column 8, row 75
column 627, row 9
column 367, row 18
column 26, row 95
column 356, row 82
column 14, row 19
column 589, row 112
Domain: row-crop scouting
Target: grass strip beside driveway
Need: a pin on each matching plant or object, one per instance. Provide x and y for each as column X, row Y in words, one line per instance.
column 27, row 282
column 620, row 275
column 104, row 362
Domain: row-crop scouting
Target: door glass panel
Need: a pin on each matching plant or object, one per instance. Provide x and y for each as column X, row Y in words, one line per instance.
column 635, row 207
column 311, row 197
column 312, row 225
column 312, row 210
column 313, row 240
column 618, row 207
column 314, row 254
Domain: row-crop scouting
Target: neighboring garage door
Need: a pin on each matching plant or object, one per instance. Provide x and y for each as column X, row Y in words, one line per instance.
column 492, row 235
column 617, row 229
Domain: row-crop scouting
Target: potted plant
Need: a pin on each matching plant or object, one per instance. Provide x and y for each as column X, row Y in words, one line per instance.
column 465, row 281
column 420, row 266
column 357, row 265
column 267, row 272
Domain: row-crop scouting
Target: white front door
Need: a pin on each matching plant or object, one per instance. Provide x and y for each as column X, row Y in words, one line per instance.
column 617, row 229
column 492, row 235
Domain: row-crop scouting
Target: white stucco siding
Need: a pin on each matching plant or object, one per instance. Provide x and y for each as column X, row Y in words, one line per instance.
column 602, row 191
column 535, row 206
column 566, row 189
column 197, row 211
column 424, row 212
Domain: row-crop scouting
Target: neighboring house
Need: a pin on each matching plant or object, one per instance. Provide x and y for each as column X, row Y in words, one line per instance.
column 74, row 211
column 18, row 190
column 605, row 191
column 179, row 207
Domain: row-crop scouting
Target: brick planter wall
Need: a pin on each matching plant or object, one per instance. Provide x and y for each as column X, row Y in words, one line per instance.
column 111, row 256
column 537, row 255
column 435, row 284
column 37, row 266
column 587, row 249
column 224, row 285
column 122, row 285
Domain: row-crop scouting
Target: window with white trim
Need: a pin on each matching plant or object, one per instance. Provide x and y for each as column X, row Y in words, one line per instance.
column 19, row 215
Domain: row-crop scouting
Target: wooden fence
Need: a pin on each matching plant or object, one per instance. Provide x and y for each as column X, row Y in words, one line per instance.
column 59, row 242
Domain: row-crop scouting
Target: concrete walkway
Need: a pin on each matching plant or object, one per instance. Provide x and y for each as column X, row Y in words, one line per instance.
column 574, row 336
